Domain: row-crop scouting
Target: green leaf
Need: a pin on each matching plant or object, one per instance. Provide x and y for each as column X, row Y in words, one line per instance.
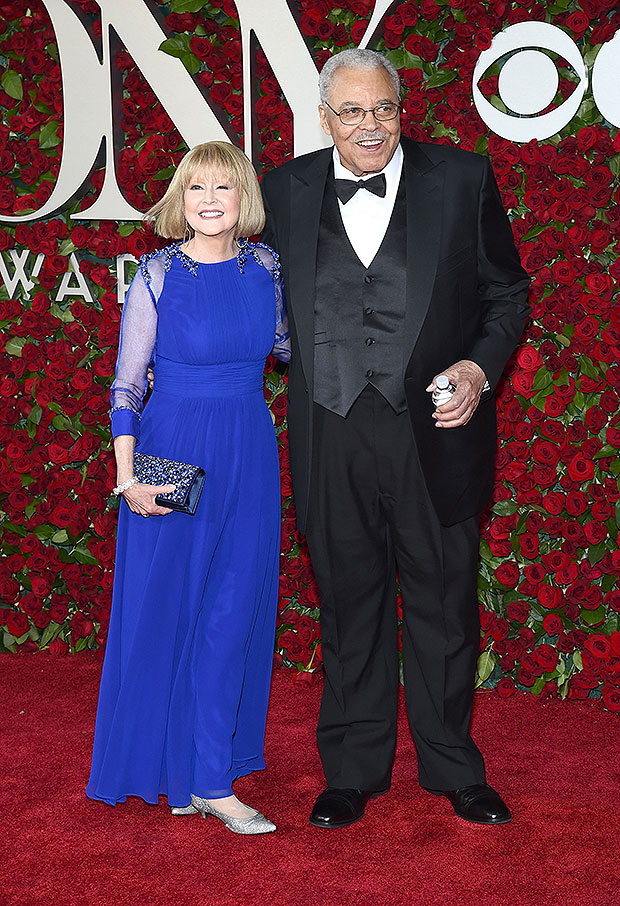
column 61, row 423
column 15, row 345
column 577, row 660
column 441, row 77
column 596, row 553
column 81, row 644
column 12, row 83
column 166, row 173
column 593, row 617
column 49, row 633
column 34, row 416
column 126, row 229
column 486, row 665
column 614, row 165
column 482, row 144
column 178, row 46
column 505, row 507
column 60, row 537
column 83, row 555
column 66, row 247
column 588, row 368
column 187, row 6
column 402, row 59
column 542, row 379
column 63, row 314
column 9, row 641
column 48, row 135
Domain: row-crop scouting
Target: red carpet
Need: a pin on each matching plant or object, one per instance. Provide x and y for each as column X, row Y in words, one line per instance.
column 557, row 764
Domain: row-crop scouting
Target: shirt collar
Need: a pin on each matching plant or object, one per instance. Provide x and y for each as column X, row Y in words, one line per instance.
column 392, row 170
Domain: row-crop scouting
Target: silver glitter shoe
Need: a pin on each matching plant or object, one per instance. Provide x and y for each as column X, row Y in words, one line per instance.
column 184, row 810
column 255, row 824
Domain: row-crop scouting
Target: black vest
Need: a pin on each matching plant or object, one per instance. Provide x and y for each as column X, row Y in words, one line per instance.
column 359, row 312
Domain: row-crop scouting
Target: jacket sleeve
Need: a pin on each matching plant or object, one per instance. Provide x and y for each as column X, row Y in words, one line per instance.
column 502, row 283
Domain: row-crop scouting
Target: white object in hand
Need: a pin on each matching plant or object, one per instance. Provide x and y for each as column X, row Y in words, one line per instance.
column 444, row 390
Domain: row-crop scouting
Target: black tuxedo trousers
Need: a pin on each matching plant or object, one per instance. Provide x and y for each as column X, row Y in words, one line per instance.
column 370, row 514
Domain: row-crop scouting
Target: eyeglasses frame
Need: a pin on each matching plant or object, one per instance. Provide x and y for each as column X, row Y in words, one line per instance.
column 367, row 110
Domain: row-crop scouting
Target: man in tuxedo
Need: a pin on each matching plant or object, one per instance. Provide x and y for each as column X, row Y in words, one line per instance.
column 399, row 265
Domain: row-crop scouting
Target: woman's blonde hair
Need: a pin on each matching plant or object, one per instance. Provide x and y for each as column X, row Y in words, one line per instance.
column 225, row 160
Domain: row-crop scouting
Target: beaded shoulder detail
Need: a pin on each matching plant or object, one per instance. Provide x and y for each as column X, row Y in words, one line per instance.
column 166, row 254
column 253, row 249
column 247, row 249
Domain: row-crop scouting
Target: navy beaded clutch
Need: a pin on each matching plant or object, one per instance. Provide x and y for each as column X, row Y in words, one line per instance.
column 188, row 479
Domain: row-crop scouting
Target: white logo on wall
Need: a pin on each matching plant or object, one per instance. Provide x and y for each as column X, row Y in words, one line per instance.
column 528, row 81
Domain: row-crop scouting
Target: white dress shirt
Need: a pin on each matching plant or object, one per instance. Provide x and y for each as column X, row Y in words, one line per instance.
column 366, row 216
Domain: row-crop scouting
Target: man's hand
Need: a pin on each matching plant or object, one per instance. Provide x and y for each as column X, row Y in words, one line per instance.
column 150, row 378
column 469, row 380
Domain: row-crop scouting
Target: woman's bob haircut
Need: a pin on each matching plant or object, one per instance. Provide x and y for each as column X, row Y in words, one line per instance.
column 226, row 162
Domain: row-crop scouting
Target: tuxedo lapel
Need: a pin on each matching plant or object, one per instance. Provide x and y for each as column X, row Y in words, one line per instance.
column 424, row 182
column 307, row 189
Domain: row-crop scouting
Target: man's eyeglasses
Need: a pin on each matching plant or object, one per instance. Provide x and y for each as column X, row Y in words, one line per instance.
column 353, row 116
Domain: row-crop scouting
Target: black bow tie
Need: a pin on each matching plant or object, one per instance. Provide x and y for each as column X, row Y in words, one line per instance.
column 346, row 188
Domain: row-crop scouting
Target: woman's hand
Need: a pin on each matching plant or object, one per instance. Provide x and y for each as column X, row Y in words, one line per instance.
column 140, row 498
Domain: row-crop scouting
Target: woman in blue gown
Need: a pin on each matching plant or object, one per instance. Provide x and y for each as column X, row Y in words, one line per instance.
column 186, row 675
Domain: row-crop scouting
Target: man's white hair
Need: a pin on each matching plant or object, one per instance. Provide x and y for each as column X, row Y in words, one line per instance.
column 355, row 58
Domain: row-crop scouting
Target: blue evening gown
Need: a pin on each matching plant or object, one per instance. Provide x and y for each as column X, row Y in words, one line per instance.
column 186, row 675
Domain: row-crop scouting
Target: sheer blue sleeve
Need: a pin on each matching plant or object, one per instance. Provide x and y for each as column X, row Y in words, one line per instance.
column 282, row 340
column 136, row 348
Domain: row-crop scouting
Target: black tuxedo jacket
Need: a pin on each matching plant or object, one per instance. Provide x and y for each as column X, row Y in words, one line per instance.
column 466, row 299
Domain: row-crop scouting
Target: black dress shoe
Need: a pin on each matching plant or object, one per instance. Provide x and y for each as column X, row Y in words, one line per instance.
column 480, row 804
column 338, row 808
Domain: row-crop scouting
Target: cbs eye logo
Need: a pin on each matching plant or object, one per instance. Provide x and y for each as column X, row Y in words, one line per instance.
column 528, row 81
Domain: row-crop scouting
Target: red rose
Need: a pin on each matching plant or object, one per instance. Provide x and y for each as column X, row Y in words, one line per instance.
column 17, row 623
column 611, row 697
column 529, row 545
column 529, row 358
column 549, row 596
column 552, row 624
column 518, row 610
column 483, row 38
column 505, row 687
column 81, row 625
column 58, row 612
column 58, row 647
column 526, row 677
column 578, row 23
column 40, row 585
column 429, row 10
column 507, row 574
column 599, row 646
column 546, row 656
column 580, row 469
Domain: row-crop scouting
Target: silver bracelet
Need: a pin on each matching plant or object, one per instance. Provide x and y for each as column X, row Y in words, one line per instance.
column 123, row 487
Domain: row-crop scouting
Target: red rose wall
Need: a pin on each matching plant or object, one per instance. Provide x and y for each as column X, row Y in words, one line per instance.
column 550, row 564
